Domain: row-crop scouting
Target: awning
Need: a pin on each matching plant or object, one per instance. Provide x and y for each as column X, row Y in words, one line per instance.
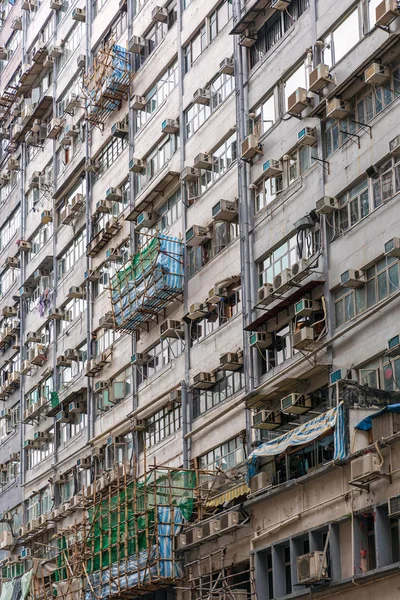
column 304, row 434
column 225, row 497
column 366, row 424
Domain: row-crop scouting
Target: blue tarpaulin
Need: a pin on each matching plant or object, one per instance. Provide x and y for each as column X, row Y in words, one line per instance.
column 304, row 434
column 366, row 424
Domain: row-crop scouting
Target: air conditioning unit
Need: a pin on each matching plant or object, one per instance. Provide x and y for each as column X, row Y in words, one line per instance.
column 171, row 329
column 260, row 340
column 366, row 468
column 376, row 74
column 25, row 292
column 203, row 161
column 386, row 12
column 62, row 417
column 11, row 262
column 303, row 339
column 27, row 552
column 307, row 136
column 228, row 521
column 393, row 347
column 296, row 404
column 6, row 540
column 267, row 419
column 392, row 247
column 55, row 51
column 56, row 4
column 203, row 381
column 251, row 146
column 93, row 275
column 84, row 463
column 103, row 206
column 169, row 126
column 81, row 61
column 56, row 313
column 160, row 14
column 136, row 165
column 16, row 24
column 326, row 205
column 394, row 146
column 26, row 367
column 394, row 507
column 352, row 278
column 4, row 178
column 230, row 362
column 75, row 292
column 41, row 436
column 146, row 219
column 311, row 568
column 91, row 165
column 201, row 96
column 264, row 294
column 248, row 38
column 63, row 361
column 79, row 14
column 190, row 174
column 261, row 481
column 76, row 408
column 53, row 128
column 136, row 44
column 138, row 424
column 99, row 386
column 3, row 53
column 140, row 358
column 197, row 310
column 319, row 78
column 13, row 164
column 227, row 66
column 271, row 168
column 306, row 307
column 298, row 101
column 138, row 102
column 300, row 269
column 337, row 108
column 196, row 235
column 280, row 4
column 216, row 295
column 120, row 130
column 282, row 281
column 48, row 63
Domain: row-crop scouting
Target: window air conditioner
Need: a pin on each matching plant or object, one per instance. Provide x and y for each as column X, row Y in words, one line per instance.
column 261, row 481
column 267, row 419
column 120, row 130
column 394, row 507
column 251, row 146
column 196, row 235
column 319, row 78
column 216, row 295
column 81, row 61
column 227, row 66
column 55, row 51
column 3, row 53
column 393, row 347
column 84, row 463
column 352, row 278
column 190, row 174
column 79, row 14
column 54, row 128
column 271, row 168
column 392, row 247
column 171, row 329
column 201, row 96
column 13, row 164
column 296, row 404
column 307, row 136
column 230, row 362
column 76, row 408
column 56, row 4
column 146, row 219
column 197, row 310
column 138, row 102
column 229, row 521
column 91, row 165
column 386, row 12
column 114, row 194
column 337, row 108
column 394, row 146
column 169, row 126
column 311, row 568
column 282, row 281
column 160, row 14
column 136, row 44
column 140, row 358
column 265, row 293
column 326, row 205
column 366, row 468
column 62, row 361
column 138, row 424
column 260, row 340
column 376, row 74
column 48, row 63
column 298, row 101
column 306, row 307
column 203, row 161
column 303, row 339
column 203, row 381
column 136, row 165
column 248, row 38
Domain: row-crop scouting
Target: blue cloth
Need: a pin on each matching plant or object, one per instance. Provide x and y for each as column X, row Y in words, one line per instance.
column 366, row 424
column 304, row 434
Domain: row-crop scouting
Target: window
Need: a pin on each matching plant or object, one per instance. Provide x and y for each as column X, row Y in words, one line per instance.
column 221, row 234
column 66, row 487
column 298, row 79
column 10, row 228
column 267, row 191
column 197, row 114
column 382, row 373
column 109, row 154
column 265, row 116
column 223, row 457
column 117, row 390
column 195, row 47
column 217, row 316
column 39, row 239
column 7, row 279
column 338, row 43
column 156, row 160
column 37, row 455
column 159, row 356
column 103, row 342
column 230, row 383
column 153, row 37
column 72, row 254
column 71, row 44
column 6, row 189
column 77, row 423
column 372, row 4
column 382, row 280
column 162, row 424
column 274, row 29
column 286, row 255
column 354, row 206
column 74, row 87
column 300, row 162
column 157, row 95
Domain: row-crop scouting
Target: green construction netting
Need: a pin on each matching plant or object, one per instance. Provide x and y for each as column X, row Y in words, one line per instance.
column 123, row 523
column 137, row 267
